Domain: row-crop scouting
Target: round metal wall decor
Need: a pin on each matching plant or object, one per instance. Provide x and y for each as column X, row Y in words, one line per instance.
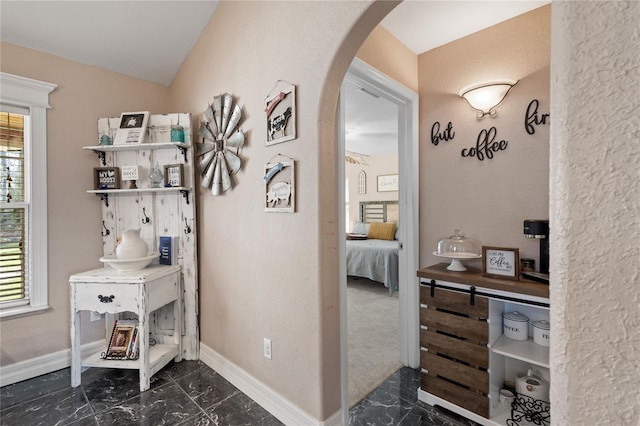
column 220, row 135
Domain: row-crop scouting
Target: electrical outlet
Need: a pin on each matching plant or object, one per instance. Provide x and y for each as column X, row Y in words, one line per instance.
column 267, row 348
column 95, row 316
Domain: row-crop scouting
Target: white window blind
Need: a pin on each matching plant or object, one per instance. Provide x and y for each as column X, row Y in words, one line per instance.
column 14, row 208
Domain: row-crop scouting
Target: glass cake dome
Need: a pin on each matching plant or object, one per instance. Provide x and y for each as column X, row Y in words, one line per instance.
column 457, row 247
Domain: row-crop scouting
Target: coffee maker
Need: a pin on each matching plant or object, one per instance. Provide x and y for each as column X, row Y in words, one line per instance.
column 539, row 229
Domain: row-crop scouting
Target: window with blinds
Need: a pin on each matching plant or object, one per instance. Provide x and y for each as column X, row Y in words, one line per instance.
column 14, row 209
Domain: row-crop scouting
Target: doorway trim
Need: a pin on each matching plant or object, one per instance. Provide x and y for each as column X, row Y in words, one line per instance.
column 373, row 80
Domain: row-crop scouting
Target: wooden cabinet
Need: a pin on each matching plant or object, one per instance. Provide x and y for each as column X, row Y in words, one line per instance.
column 465, row 358
column 161, row 211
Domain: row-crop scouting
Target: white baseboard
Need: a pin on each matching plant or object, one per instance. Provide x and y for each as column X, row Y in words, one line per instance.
column 44, row 364
column 270, row 400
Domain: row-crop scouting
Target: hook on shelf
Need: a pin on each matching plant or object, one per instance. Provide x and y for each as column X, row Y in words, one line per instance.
column 187, row 228
column 184, row 152
column 106, row 231
column 102, row 156
column 185, row 194
column 104, row 197
column 146, row 218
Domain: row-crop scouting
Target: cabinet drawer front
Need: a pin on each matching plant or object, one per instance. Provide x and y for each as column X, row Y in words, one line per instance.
column 97, row 297
column 470, row 377
column 458, row 395
column 471, row 353
column 471, row 329
column 455, row 302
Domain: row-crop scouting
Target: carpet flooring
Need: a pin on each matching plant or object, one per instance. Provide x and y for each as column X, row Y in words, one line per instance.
column 374, row 341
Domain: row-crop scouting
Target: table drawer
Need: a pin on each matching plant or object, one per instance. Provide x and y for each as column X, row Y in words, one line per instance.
column 110, row 298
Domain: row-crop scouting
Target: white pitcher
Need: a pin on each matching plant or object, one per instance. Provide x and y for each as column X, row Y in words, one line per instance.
column 132, row 246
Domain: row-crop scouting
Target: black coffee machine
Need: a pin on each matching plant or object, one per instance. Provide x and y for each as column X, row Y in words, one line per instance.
column 539, row 229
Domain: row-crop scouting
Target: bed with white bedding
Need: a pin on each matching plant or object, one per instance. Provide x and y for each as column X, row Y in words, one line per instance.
column 375, row 259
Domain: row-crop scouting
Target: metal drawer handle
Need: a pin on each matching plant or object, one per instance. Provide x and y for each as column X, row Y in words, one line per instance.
column 106, row 299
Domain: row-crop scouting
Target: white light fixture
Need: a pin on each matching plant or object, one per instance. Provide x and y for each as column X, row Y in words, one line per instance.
column 486, row 97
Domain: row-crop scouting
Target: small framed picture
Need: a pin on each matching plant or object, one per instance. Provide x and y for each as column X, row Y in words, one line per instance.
column 501, row 262
column 387, row 183
column 280, row 109
column 120, row 341
column 106, row 178
column 280, row 186
column 174, row 175
column 132, row 128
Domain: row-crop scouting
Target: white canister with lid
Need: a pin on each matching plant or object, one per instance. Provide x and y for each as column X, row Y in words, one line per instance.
column 515, row 325
column 541, row 332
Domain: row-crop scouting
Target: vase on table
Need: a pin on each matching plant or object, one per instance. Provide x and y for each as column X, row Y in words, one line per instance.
column 131, row 245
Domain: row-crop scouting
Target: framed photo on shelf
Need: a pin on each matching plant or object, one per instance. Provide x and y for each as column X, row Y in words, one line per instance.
column 106, row 178
column 387, row 183
column 174, row 175
column 132, row 128
column 501, row 262
column 120, row 340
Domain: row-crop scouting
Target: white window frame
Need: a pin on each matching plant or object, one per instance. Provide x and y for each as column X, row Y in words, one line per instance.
column 20, row 92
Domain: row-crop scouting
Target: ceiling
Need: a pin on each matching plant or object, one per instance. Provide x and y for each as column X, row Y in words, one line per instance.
column 151, row 39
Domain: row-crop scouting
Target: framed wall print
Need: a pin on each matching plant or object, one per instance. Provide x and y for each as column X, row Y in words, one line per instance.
column 279, row 183
column 387, row 183
column 280, row 109
column 106, row 178
column 501, row 262
column 174, row 175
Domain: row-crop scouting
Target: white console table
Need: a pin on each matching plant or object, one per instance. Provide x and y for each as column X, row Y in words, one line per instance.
column 109, row 291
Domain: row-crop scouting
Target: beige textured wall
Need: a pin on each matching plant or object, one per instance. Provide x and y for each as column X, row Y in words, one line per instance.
column 595, row 205
column 387, row 54
column 273, row 274
column 487, row 200
column 84, row 94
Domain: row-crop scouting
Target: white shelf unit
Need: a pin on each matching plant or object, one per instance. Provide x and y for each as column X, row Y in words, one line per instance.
column 156, row 211
column 507, row 357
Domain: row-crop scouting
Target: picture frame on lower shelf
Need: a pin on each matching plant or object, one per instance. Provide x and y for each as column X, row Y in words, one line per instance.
column 106, row 178
column 120, row 341
column 501, row 262
column 174, row 175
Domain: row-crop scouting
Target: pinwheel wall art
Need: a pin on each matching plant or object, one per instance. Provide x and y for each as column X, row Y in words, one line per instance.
column 218, row 153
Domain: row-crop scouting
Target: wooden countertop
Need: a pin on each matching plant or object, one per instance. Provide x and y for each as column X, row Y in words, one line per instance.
column 473, row 276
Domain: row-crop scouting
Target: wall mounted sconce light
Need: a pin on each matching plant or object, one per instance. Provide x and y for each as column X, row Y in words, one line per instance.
column 486, row 97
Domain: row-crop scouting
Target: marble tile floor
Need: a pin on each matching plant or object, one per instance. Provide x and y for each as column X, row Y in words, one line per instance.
column 189, row 393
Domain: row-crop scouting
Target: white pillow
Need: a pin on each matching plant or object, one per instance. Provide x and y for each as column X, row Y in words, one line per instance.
column 397, row 236
column 360, row 228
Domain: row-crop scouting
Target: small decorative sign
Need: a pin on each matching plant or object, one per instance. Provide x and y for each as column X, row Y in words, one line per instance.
column 387, row 183
column 106, row 178
column 280, row 108
column 130, row 172
column 174, row 175
column 500, row 262
column 279, row 178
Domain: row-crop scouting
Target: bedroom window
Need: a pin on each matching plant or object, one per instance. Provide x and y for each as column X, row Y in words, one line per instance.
column 362, row 182
column 23, row 195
